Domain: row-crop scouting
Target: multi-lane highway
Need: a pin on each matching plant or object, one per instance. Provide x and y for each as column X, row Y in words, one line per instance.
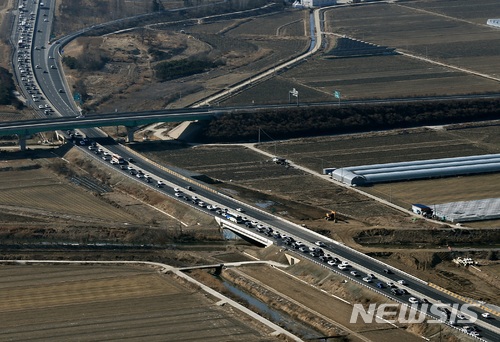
column 48, row 80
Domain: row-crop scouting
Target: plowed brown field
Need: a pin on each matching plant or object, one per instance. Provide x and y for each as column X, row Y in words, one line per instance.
column 96, row 303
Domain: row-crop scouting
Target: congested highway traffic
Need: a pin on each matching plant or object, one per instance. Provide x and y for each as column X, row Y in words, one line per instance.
column 44, row 86
column 345, row 261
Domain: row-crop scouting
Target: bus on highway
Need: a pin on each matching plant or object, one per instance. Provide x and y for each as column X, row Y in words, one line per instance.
column 117, row 159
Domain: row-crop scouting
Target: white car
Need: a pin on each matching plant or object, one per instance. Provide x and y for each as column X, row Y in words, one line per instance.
column 159, row 182
column 486, row 315
column 331, row 262
column 240, row 210
column 461, row 316
column 413, row 300
column 367, row 279
column 342, row 267
column 177, row 190
column 390, row 284
column 354, row 273
column 345, row 263
column 402, row 282
column 319, row 243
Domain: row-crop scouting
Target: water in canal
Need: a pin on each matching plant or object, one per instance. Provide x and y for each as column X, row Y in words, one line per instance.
column 279, row 318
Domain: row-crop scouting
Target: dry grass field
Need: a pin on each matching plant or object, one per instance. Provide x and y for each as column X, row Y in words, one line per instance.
column 41, row 191
column 287, row 24
column 97, row 303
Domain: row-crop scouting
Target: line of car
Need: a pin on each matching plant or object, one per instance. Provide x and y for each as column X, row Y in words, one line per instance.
column 26, row 26
column 316, row 252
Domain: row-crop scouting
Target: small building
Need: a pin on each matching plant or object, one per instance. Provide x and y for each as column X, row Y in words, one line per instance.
column 421, row 209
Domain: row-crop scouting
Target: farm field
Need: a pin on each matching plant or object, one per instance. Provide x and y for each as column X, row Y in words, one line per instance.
column 89, row 303
column 241, row 167
column 406, row 145
column 425, row 31
column 288, row 23
column 450, row 32
column 39, row 190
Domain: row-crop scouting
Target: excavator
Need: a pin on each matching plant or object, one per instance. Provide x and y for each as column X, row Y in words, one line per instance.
column 331, row 216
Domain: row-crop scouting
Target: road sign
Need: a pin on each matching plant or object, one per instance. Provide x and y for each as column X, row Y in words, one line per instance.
column 336, row 93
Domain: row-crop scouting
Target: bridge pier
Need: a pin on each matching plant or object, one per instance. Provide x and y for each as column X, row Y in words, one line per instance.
column 130, row 133
column 22, row 142
column 218, row 270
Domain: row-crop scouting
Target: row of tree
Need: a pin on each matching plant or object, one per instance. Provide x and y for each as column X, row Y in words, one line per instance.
column 314, row 121
column 86, row 62
column 170, row 70
column 7, row 87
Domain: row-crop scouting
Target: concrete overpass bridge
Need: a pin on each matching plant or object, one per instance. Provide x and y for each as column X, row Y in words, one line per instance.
column 131, row 120
column 218, row 267
column 243, row 232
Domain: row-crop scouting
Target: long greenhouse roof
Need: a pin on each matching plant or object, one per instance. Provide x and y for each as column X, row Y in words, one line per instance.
column 432, row 168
